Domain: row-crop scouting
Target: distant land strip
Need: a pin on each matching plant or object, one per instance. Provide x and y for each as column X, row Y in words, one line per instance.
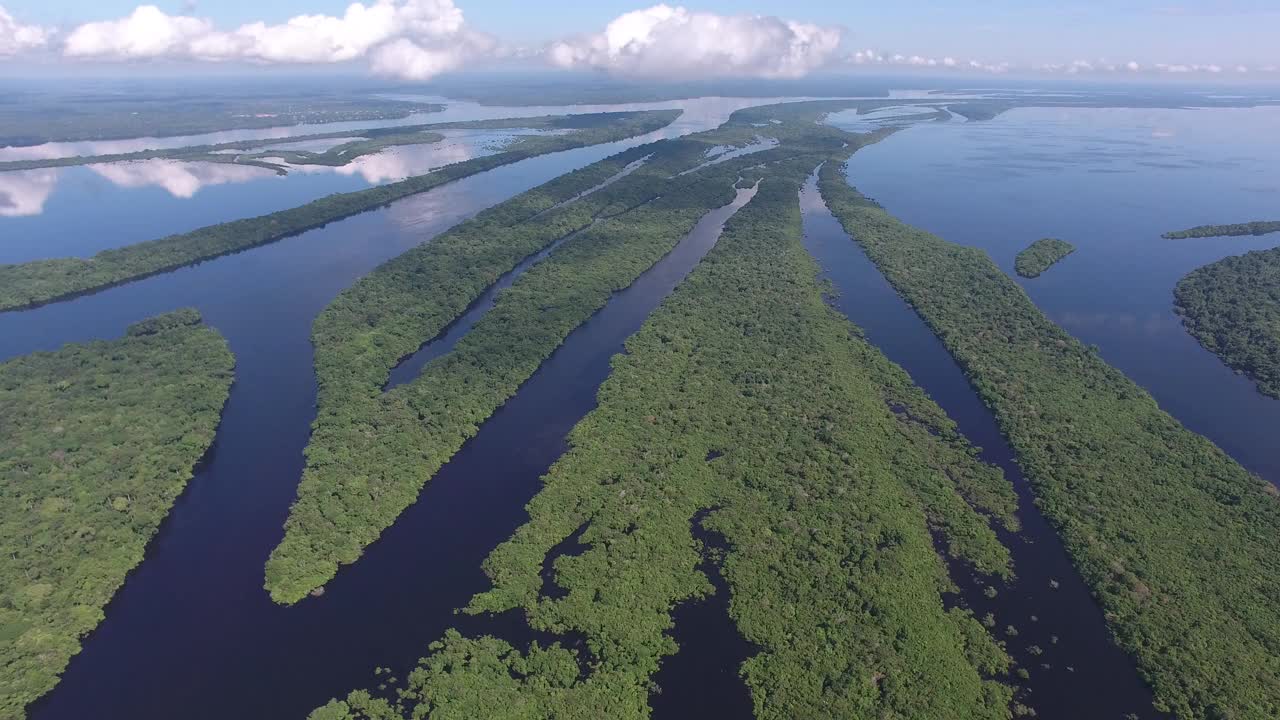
column 44, row 281
column 375, row 139
column 1258, row 227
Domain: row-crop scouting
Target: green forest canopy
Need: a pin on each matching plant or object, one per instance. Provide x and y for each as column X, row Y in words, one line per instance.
column 1042, row 255
column 370, row 454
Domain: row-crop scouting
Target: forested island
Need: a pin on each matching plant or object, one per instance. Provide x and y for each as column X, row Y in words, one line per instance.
column 747, row 407
column 395, row 442
column 1042, row 255
column 97, row 441
column 44, row 281
column 1233, row 308
column 1177, row 540
column 1259, row 227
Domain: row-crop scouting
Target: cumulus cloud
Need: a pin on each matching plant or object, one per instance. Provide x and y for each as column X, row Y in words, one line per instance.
column 1133, row 66
column 666, row 41
column 875, row 57
column 415, row 39
column 148, row 32
column 16, row 37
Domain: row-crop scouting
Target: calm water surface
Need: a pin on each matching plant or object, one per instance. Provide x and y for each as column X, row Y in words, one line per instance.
column 1110, row 181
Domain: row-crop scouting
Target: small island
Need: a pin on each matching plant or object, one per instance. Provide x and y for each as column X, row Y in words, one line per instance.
column 1258, row 227
column 1042, row 255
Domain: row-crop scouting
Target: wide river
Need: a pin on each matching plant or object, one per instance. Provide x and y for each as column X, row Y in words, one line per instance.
column 193, row 634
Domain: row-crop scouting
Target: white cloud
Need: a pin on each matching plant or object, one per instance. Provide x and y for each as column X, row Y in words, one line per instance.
column 874, row 57
column 16, row 37
column 415, row 39
column 864, row 57
column 665, row 41
column 147, row 32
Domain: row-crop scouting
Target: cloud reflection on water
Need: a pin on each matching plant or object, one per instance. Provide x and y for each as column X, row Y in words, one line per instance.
column 179, row 179
column 24, row 193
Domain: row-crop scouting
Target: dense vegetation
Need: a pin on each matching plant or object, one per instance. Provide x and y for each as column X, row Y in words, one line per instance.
column 1042, row 255
column 1177, row 540
column 44, row 281
column 371, row 453
column 1259, row 227
column 747, row 396
column 1233, row 308
column 96, row 442
column 35, row 118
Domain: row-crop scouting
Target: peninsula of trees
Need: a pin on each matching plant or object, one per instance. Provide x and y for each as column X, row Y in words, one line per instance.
column 1259, row 227
column 1177, row 540
column 391, row 444
column 1233, row 308
column 44, row 281
column 97, row 440
column 1042, row 255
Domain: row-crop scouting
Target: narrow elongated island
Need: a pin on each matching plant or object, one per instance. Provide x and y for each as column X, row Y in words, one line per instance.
column 1042, row 255
column 1258, row 227
column 97, row 440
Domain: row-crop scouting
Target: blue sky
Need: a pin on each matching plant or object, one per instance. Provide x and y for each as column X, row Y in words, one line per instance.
column 1026, row 34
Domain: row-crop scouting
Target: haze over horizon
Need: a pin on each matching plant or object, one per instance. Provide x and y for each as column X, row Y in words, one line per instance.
column 418, row 40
